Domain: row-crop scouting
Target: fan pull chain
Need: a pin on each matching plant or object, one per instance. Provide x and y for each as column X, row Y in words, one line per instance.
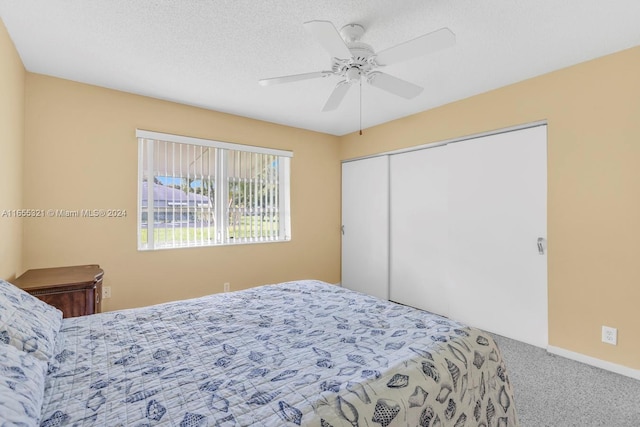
column 361, row 106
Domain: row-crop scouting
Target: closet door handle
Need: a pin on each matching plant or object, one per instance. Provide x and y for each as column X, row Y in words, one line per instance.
column 541, row 245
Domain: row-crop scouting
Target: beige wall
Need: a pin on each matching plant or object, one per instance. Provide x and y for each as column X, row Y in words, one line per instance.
column 81, row 153
column 593, row 114
column 12, row 77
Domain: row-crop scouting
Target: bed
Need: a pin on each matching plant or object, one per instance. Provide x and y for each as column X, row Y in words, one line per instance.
column 298, row 353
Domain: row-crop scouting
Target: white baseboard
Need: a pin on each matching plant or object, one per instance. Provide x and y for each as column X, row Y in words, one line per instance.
column 598, row 363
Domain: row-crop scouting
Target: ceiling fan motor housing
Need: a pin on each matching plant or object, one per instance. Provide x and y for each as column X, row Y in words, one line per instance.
column 360, row 63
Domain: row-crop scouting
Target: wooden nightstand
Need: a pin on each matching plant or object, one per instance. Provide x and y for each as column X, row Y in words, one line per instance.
column 76, row 291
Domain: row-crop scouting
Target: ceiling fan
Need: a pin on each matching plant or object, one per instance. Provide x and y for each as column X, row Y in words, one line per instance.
column 354, row 61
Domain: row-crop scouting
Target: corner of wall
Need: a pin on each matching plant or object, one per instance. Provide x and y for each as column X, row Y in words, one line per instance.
column 12, row 128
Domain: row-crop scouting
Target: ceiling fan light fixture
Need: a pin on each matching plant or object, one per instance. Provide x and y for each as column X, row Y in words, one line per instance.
column 353, row 74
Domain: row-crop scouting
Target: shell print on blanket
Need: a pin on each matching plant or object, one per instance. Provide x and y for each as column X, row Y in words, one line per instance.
column 294, row 354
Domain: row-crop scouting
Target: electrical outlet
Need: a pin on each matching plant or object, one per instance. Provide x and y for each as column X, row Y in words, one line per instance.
column 227, row 286
column 609, row 335
column 106, row 292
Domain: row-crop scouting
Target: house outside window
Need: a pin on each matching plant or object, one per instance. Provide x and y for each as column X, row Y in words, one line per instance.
column 196, row 192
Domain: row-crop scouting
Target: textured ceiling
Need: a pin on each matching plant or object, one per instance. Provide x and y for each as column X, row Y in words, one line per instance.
column 211, row 53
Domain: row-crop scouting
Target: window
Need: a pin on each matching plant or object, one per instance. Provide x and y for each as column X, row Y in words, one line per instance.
column 196, row 192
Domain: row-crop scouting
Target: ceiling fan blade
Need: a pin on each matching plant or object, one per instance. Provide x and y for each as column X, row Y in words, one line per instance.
column 394, row 85
column 336, row 96
column 422, row 45
column 294, row 78
column 329, row 38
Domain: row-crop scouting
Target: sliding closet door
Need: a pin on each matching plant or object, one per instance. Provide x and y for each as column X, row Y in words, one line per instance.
column 497, row 213
column 418, row 229
column 365, row 226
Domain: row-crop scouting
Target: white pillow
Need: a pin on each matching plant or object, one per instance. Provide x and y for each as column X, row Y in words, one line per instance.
column 21, row 387
column 27, row 323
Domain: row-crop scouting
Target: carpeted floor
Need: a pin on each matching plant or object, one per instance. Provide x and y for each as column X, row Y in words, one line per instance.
column 552, row 391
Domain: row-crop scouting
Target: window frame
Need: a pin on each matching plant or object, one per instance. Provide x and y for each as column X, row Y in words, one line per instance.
column 146, row 139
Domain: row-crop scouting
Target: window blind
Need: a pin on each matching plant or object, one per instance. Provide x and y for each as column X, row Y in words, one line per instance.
column 195, row 192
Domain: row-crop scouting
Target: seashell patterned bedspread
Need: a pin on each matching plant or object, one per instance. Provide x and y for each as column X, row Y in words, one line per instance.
column 299, row 353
